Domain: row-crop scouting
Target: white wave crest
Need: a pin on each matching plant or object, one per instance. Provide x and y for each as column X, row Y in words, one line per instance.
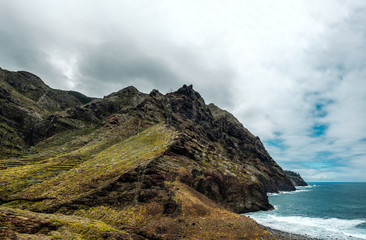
column 305, row 187
column 288, row 192
column 276, row 207
column 331, row 228
column 293, row 192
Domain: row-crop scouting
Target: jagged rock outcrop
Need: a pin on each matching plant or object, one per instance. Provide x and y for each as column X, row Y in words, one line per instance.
column 127, row 152
column 295, row 178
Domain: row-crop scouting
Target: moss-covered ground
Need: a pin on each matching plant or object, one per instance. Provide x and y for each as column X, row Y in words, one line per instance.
column 72, row 174
column 22, row 224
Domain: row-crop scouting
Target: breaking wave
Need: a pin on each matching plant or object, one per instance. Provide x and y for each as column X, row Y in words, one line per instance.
column 332, row 228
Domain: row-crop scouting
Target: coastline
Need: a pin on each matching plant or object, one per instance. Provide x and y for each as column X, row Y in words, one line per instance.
column 281, row 235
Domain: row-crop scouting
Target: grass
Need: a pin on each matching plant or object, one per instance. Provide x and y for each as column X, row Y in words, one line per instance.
column 59, row 226
column 138, row 215
column 71, row 176
column 10, row 143
column 206, row 220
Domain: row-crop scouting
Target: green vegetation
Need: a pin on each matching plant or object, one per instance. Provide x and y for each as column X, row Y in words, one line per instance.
column 71, row 175
column 55, row 226
column 206, row 220
column 10, row 143
column 140, row 215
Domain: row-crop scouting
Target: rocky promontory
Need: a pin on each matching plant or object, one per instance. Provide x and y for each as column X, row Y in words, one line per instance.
column 295, row 178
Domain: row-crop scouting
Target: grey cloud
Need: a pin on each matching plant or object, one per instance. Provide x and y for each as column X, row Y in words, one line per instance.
column 24, row 46
column 117, row 56
column 18, row 48
column 122, row 64
column 266, row 77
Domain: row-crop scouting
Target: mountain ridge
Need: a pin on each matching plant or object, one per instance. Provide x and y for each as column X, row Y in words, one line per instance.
column 128, row 151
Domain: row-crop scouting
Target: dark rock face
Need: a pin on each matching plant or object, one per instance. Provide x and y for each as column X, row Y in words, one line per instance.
column 214, row 153
column 212, row 124
column 295, row 178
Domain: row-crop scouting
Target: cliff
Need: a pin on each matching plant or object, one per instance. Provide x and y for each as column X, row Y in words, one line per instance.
column 158, row 166
column 295, row 178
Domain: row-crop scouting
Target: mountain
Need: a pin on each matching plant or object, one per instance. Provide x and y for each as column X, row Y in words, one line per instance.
column 139, row 166
column 25, row 103
column 295, row 178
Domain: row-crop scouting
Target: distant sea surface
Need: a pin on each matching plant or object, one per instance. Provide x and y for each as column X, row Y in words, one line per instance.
column 320, row 210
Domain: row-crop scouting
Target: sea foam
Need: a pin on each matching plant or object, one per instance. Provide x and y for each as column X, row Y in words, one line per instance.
column 332, row 228
column 288, row 192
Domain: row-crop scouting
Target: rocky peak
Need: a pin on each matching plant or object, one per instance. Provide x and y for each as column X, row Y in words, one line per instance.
column 186, row 103
column 191, row 95
column 188, row 91
column 27, row 84
column 155, row 93
column 128, row 91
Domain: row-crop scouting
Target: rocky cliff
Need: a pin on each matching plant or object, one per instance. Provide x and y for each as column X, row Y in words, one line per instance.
column 295, row 178
column 168, row 165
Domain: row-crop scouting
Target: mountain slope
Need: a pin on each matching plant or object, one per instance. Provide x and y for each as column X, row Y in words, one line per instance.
column 26, row 102
column 162, row 160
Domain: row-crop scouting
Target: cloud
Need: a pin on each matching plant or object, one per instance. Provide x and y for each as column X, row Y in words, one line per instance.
column 102, row 47
column 292, row 71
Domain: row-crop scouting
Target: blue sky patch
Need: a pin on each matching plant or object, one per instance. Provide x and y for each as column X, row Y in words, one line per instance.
column 324, row 164
column 326, row 159
column 320, row 107
column 277, row 143
column 323, row 154
column 318, row 129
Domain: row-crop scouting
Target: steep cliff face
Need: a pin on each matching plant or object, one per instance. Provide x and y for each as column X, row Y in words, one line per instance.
column 160, row 156
column 295, row 178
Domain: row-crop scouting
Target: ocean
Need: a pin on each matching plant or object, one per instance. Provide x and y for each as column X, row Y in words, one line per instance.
column 320, row 210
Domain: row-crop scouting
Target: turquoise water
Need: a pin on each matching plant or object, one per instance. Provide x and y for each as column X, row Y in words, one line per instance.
column 321, row 210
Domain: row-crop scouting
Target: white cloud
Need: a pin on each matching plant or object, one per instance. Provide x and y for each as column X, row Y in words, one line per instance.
column 268, row 62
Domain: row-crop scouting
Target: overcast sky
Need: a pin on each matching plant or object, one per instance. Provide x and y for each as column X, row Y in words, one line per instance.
column 293, row 72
